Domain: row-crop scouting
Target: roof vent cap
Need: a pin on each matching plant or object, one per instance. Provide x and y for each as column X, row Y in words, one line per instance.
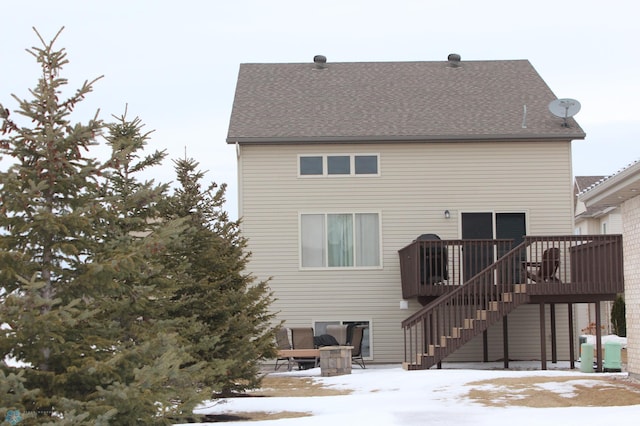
column 320, row 61
column 454, row 60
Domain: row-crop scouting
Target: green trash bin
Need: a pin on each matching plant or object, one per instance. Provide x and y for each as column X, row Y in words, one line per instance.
column 612, row 356
column 586, row 358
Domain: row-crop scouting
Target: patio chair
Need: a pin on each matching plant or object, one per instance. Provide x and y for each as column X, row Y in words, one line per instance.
column 356, row 341
column 545, row 271
column 283, row 343
column 433, row 261
column 302, row 338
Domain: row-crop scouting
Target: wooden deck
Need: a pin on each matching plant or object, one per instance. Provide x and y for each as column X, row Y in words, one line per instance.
column 466, row 286
column 589, row 265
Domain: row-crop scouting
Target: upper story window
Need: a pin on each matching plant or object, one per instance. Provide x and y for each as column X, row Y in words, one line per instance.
column 339, row 165
column 366, row 164
column 311, row 165
column 340, row 240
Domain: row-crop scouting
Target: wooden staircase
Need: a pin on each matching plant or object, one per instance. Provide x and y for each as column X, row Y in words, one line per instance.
column 446, row 324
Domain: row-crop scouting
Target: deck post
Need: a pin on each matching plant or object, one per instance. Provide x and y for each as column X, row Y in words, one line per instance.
column 598, row 339
column 505, row 341
column 572, row 349
column 554, row 339
column 485, row 346
column 543, row 339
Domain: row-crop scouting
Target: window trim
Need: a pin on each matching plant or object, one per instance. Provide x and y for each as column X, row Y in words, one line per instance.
column 326, row 266
column 352, row 165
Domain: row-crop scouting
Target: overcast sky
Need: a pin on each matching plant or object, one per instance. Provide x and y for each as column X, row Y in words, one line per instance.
column 175, row 63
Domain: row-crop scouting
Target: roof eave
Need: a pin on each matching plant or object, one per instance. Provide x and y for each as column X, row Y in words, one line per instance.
column 412, row 138
column 615, row 189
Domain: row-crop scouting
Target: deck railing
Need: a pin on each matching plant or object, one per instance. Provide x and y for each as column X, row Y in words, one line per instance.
column 433, row 267
column 589, row 264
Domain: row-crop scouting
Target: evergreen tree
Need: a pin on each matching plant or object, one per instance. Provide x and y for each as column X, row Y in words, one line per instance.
column 215, row 289
column 151, row 366
column 618, row 317
column 47, row 193
column 84, row 291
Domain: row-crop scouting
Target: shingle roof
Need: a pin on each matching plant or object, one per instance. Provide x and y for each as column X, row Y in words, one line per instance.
column 394, row 101
column 584, row 182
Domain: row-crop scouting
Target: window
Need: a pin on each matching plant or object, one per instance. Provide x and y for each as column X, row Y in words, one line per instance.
column 340, row 240
column 339, row 165
column 489, row 225
column 366, row 164
column 320, row 328
column 311, row 165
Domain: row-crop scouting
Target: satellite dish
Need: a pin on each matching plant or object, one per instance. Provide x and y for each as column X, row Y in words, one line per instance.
column 564, row 108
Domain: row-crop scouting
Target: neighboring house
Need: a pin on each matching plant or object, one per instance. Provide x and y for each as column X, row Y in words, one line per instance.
column 622, row 190
column 341, row 166
column 594, row 220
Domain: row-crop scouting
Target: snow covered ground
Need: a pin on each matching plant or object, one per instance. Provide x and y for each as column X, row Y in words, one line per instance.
column 388, row 395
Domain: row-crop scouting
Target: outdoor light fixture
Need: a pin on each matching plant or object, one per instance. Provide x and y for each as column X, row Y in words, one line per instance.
column 447, row 214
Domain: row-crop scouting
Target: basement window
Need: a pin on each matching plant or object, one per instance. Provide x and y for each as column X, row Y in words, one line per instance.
column 320, row 328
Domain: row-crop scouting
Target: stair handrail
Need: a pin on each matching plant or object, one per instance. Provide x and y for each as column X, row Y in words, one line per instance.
column 508, row 256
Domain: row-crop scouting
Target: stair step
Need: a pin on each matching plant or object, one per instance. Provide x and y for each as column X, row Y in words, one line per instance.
column 432, row 349
column 446, row 340
column 507, row 297
column 494, row 306
column 468, row 324
column 461, row 332
column 425, row 359
column 481, row 314
column 409, row 366
column 520, row 288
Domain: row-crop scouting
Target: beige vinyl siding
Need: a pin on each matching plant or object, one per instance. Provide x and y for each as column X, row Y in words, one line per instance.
column 417, row 182
column 589, row 227
column 524, row 337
